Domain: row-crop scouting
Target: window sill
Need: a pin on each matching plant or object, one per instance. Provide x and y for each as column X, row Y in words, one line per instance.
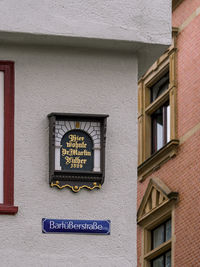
column 7, row 209
column 156, row 160
column 158, row 251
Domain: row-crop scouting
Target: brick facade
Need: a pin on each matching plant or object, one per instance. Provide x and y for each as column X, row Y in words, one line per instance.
column 181, row 174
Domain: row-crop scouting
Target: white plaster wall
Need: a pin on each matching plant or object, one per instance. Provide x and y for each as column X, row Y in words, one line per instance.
column 141, row 21
column 71, row 80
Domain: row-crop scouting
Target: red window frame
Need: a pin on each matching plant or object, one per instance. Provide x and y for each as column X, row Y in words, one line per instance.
column 7, row 207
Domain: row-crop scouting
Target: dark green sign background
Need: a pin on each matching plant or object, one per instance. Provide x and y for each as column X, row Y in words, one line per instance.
column 76, row 151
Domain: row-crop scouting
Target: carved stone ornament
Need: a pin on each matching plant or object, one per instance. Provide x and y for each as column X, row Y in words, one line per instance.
column 77, row 150
column 157, row 196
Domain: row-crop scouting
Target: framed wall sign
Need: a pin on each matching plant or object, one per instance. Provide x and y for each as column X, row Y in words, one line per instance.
column 77, row 150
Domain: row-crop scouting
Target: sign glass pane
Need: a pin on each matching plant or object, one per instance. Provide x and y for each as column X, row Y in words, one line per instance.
column 76, row 152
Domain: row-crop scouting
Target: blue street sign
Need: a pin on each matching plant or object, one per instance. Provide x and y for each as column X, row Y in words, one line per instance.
column 75, row 226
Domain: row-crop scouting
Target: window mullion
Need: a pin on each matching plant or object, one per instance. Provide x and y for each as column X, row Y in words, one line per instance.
column 164, row 259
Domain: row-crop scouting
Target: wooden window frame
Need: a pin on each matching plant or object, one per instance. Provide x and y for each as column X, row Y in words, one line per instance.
column 7, row 207
column 148, row 162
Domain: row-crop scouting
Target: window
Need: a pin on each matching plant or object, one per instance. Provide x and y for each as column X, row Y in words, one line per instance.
column 156, row 218
column 159, row 236
column 160, row 127
column 157, row 114
column 160, row 119
column 162, row 261
column 7, row 138
column 159, row 87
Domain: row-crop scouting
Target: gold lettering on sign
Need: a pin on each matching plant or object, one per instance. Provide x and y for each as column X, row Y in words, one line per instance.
column 75, row 148
column 75, row 152
column 76, row 145
column 75, row 138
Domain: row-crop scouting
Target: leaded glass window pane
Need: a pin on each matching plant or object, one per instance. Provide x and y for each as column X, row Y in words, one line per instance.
column 158, row 236
column 159, row 87
column 159, row 262
column 168, row 230
column 161, row 234
column 162, row 261
column 168, row 259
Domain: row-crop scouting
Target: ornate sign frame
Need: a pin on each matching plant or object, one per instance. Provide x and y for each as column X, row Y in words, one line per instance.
column 77, row 150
